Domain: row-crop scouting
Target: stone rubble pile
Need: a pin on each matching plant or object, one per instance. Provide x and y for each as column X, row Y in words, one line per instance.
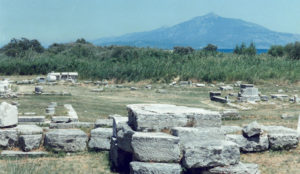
column 161, row 138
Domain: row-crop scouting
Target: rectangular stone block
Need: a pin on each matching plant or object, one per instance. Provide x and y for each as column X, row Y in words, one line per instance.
column 8, row 115
column 8, row 137
column 10, row 153
column 211, row 154
column 157, row 117
column 155, row 147
column 104, row 123
column 240, row 168
column 71, row 125
column 100, row 138
column 154, row 168
column 31, row 119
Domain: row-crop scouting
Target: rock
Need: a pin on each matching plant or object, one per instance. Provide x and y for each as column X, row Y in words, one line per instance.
column 246, row 85
column 231, row 129
column 29, row 129
column 211, row 154
column 118, row 122
column 156, row 117
column 192, row 135
column 97, row 90
column 231, row 114
column 100, row 138
column 30, row 142
column 249, row 94
column 183, row 83
column 8, row 138
column 283, row 140
column 71, row 125
column 148, row 86
column 226, row 88
column 252, row 129
column 124, row 138
column 68, row 140
column 60, row 119
column 26, row 119
column 71, row 113
column 119, row 159
column 279, row 96
column 200, row 85
column 214, row 93
column 280, row 90
column 219, row 99
column 264, row 98
column 252, row 144
column 286, row 116
column 38, row 89
column 154, row 168
column 10, row 153
column 133, row 88
column 240, row 168
column 104, row 123
column 8, row 115
column 155, row 147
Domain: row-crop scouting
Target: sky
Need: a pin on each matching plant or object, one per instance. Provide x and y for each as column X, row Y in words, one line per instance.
column 62, row 21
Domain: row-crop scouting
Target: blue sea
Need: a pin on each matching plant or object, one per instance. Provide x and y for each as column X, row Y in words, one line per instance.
column 259, row 51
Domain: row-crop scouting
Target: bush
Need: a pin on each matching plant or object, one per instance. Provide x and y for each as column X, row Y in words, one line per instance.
column 276, row 51
column 243, row 50
column 183, row 50
column 291, row 50
column 210, row 48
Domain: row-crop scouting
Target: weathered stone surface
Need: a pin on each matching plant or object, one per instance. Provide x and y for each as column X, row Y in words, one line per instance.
column 191, row 135
column 118, row 122
column 283, row 140
column 104, row 123
column 10, row 153
column 231, row 129
column 31, row 119
column 100, row 138
column 252, row 144
column 29, row 129
column 71, row 112
column 8, row 115
column 226, row 88
column 219, row 99
column 211, row 154
column 71, row 125
column 156, row 117
column 252, row 129
column 240, row 168
column 214, row 93
column 69, row 140
column 61, row 119
column 154, row 168
column 246, row 85
column 124, row 138
column 200, row 85
column 8, row 137
column 230, row 114
column 30, row 142
column 155, row 147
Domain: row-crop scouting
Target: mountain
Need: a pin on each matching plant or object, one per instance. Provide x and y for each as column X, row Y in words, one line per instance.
column 202, row 30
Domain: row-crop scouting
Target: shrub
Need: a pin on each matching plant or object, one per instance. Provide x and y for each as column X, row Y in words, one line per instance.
column 183, row 50
column 210, row 48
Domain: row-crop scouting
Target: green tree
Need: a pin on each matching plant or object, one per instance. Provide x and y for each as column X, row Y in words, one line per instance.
column 211, row 48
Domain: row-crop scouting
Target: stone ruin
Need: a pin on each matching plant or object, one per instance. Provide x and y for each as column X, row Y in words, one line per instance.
column 248, row 93
column 5, row 89
column 66, row 76
column 154, row 138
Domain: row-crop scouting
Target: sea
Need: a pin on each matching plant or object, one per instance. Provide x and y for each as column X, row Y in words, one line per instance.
column 259, row 51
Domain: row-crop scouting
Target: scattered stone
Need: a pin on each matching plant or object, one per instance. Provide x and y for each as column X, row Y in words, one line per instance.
column 183, row 83
column 100, row 138
column 97, row 90
column 8, row 115
column 71, row 125
column 279, row 96
column 248, row 94
column 157, row 117
column 118, row 122
column 214, row 93
column 247, row 86
column 283, row 140
column 29, row 129
column 133, row 88
column 231, row 129
column 240, row 168
column 280, row 91
column 60, row 119
column 154, row 168
column 231, row 114
column 148, row 86
column 38, row 89
column 200, row 85
column 31, row 119
column 104, row 123
column 119, row 86
column 264, row 98
column 238, row 83
column 252, row 129
column 226, row 88
column 155, row 147
column 172, row 84
column 71, row 113
column 10, row 153
column 68, row 140
column 252, row 144
column 219, row 99
column 286, row 116
column 30, row 142
column 211, row 154
column 8, row 138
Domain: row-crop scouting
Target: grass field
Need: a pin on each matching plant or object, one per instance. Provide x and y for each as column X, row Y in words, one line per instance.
column 91, row 106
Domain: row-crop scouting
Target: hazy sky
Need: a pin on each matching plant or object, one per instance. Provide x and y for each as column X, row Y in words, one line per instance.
column 66, row 20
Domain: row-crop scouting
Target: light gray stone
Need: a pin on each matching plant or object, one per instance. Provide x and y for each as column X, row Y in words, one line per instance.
column 240, row 168
column 283, row 140
column 155, row 147
column 191, row 135
column 118, row 122
column 226, row 88
column 68, row 140
column 100, row 138
column 124, row 138
column 8, row 115
column 60, row 119
column 200, row 85
column 252, row 144
column 252, row 129
column 30, row 142
column 8, row 137
column 156, row 117
column 71, row 113
column 10, row 153
column 29, row 129
column 104, row 123
column 154, row 168
column 211, row 154
column 231, row 129
column 31, row 119
column 230, row 114
column 71, row 125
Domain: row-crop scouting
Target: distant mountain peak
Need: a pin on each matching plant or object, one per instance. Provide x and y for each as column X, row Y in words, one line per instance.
column 211, row 28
